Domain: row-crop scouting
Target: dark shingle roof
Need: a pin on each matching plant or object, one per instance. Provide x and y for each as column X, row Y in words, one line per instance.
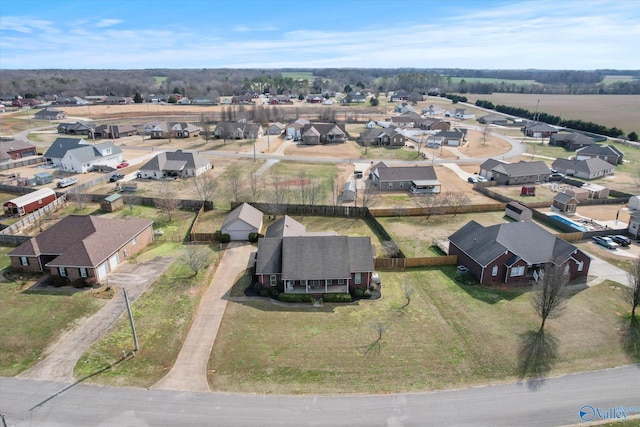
column 522, row 169
column 589, row 166
column 285, row 226
column 404, row 173
column 60, row 146
column 600, row 150
column 82, row 241
column 175, row 160
column 526, row 240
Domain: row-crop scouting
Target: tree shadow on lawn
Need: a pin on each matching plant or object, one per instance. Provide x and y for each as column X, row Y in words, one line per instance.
column 630, row 338
column 536, row 355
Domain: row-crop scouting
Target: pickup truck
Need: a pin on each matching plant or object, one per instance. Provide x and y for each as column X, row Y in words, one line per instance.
column 62, row 183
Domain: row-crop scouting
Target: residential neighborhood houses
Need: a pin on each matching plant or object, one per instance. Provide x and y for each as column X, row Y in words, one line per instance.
column 419, row 200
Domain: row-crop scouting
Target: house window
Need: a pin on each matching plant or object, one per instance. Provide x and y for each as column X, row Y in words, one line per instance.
column 273, row 279
column 340, row 281
column 580, row 265
column 83, row 272
column 357, row 278
column 391, row 185
column 517, row 271
column 133, row 241
column 494, row 271
column 402, row 185
column 62, row 271
column 24, row 260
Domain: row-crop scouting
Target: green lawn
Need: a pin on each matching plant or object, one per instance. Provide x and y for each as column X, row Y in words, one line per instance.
column 162, row 315
column 33, row 321
column 299, row 75
column 448, row 336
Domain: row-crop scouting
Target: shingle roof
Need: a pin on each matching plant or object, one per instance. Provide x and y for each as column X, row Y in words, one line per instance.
column 589, row 166
column 564, row 198
column 489, row 164
column 405, row 173
column 175, row 160
column 526, row 240
column 522, row 169
column 246, row 213
column 600, row 150
column 82, row 241
column 284, row 227
column 87, row 153
column 60, row 146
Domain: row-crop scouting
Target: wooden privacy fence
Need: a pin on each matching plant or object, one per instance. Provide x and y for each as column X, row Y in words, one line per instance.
column 400, row 263
column 20, row 163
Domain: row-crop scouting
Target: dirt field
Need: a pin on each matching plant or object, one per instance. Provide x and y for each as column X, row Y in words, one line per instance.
column 621, row 111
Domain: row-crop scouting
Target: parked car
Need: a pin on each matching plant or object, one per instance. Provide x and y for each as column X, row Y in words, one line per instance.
column 605, row 241
column 481, row 178
column 122, row 165
column 556, row 176
column 472, row 179
column 116, row 177
column 621, row 240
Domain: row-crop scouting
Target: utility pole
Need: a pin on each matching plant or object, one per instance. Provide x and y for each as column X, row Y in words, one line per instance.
column 133, row 326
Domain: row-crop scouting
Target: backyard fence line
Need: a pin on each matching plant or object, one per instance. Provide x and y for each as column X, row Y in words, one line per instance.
column 19, row 163
column 34, row 217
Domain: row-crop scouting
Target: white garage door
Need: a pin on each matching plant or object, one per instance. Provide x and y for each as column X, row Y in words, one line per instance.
column 114, row 261
column 239, row 235
column 101, row 271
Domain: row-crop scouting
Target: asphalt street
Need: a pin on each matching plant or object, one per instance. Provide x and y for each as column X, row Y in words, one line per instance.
column 556, row 401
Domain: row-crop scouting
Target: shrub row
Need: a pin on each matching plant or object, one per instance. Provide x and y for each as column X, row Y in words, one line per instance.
column 284, row 297
column 341, row 297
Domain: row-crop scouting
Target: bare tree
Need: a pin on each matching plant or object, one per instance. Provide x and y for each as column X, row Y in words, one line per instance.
column 255, row 186
column 195, row 257
column 303, row 188
column 408, row 291
column 633, row 291
column 315, row 192
column 166, row 200
column 368, row 195
column 234, row 182
column 486, row 132
column 81, row 200
column 206, row 186
column 279, row 194
column 455, row 201
column 380, row 328
column 336, row 190
column 390, row 248
column 549, row 299
column 431, row 203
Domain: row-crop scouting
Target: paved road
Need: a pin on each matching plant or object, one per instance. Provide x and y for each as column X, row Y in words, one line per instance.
column 59, row 365
column 189, row 373
column 555, row 402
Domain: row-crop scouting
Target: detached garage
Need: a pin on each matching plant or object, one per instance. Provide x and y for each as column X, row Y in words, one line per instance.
column 242, row 221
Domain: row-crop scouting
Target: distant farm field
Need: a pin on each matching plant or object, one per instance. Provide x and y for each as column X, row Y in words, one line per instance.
column 621, row 111
column 299, row 75
column 492, row 80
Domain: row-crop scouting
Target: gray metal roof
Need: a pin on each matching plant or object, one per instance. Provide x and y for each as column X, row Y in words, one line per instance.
column 526, row 240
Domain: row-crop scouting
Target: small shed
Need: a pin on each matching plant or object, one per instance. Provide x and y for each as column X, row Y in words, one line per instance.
column 43, row 178
column 111, row 203
column 577, row 192
column 349, row 191
column 596, row 191
column 518, row 212
column 634, row 202
column 528, row 190
column 565, row 203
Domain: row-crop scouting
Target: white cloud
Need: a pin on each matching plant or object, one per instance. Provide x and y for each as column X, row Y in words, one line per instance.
column 108, row 22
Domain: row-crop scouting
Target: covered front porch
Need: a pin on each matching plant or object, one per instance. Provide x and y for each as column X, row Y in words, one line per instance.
column 316, row 286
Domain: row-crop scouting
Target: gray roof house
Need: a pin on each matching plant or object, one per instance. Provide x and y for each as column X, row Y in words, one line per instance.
column 587, row 169
column 410, row 178
column 390, row 136
column 174, row 164
column 50, row 114
column 77, row 128
column 520, row 173
column 606, row 152
column 570, row 141
column 493, row 119
column 238, row 130
column 80, row 156
column 323, row 133
column 315, row 264
column 487, row 166
column 514, row 252
column 539, row 130
column 453, row 137
column 242, row 221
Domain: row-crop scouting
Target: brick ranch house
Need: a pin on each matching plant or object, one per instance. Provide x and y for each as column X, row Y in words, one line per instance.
column 81, row 246
column 514, row 253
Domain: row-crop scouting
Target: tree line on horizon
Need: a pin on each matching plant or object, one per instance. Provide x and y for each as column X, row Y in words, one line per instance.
column 204, row 82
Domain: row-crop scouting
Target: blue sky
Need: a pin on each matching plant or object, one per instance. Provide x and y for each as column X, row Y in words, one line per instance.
column 561, row 34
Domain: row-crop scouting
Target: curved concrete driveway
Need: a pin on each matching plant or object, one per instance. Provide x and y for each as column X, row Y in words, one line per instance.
column 59, row 365
column 189, row 373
